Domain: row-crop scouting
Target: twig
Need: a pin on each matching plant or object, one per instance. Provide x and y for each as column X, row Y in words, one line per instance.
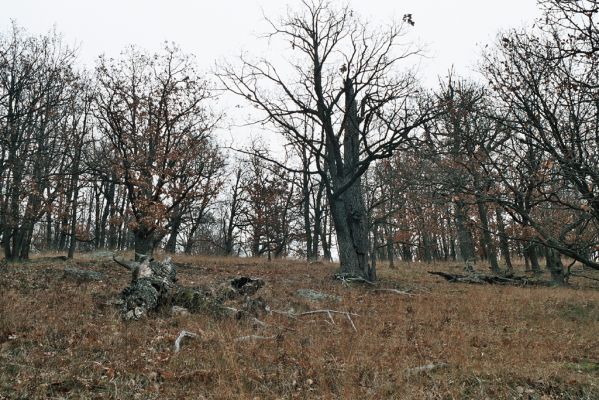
column 330, row 317
column 232, row 309
column 426, row 368
column 286, row 313
column 254, row 337
column 180, row 338
column 396, row 291
column 327, row 311
column 258, row 322
column 346, row 278
column 351, row 322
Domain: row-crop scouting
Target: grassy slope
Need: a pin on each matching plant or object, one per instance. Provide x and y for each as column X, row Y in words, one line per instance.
column 61, row 339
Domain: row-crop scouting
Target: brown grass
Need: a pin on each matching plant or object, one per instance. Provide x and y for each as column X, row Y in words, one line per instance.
column 61, row 339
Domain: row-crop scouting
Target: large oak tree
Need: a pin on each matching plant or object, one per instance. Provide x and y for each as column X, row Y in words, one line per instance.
column 342, row 78
column 152, row 109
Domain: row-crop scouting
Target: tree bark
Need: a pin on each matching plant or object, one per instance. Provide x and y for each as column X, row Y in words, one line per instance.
column 144, row 244
column 171, row 245
column 555, row 266
column 531, row 252
column 348, row 208
column 487, row 240
column 503, row 240
column 466, row 245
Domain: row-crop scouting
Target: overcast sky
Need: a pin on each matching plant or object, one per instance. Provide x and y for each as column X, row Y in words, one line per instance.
column 452, row 31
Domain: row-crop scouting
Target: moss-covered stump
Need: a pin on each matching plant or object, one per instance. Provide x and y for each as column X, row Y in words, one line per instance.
column 153, row 287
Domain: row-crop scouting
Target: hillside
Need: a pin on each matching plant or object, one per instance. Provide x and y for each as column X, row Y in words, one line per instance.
column 62, row 337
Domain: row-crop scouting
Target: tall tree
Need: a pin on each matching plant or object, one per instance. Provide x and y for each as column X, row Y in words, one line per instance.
column 36, row 76
column 344, row 79
column 154, row 115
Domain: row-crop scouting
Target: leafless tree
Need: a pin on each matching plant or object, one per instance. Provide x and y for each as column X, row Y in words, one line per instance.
column 36, row 78
column 343, row 78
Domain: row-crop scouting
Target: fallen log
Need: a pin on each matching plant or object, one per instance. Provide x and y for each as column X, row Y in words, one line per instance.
column 481, row 279
column 154, row 286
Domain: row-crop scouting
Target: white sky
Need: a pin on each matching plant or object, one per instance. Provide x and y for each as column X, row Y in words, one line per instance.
column 453, row 31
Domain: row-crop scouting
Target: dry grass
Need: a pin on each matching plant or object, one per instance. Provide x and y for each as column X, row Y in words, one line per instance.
column 61, row 339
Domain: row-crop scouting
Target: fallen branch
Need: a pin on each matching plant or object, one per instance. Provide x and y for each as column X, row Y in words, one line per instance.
column 481, row 279
column 351, row 322
column 182, row 336
column 331, row 317
column 348, row 278
column 396, row 291
column 426, row 368
column 234, row 311
column 327, row 312
column 258, row 322
column 286, row 313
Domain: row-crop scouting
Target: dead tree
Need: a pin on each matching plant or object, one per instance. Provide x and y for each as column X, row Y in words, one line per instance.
column 154, row 287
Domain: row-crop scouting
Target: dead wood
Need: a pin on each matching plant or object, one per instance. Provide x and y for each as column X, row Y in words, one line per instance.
column 480, row 279
column 346, row 279
column 182, row 336
column 396, row 291
column 584, row 276
column 154, row 286
column 426, row 368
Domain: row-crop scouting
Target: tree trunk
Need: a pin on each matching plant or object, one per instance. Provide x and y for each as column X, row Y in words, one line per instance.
column 487, row 240
column 73, row 228
column 325, row 234
column 317, row 222
column 406, row 251
column 426, row 248
column 531, row 252
column 310, row 256
column 503, row 241
column 171, row 245
column 555, row 266
column 373, row 246
column 153, row 286
column 389, row 247
column 348, row 208
column 466, row 245
column 144, row 244
column 107, row 212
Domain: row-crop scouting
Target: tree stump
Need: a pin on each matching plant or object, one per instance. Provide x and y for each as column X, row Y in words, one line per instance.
column 154, row 286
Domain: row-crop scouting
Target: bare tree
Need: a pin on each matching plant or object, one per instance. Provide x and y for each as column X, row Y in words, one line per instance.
column 36, row 76
column 549, row 97
column 343, row 79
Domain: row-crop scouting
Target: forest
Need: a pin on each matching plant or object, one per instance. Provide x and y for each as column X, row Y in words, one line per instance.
column 125, row 156
column 377, row 179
